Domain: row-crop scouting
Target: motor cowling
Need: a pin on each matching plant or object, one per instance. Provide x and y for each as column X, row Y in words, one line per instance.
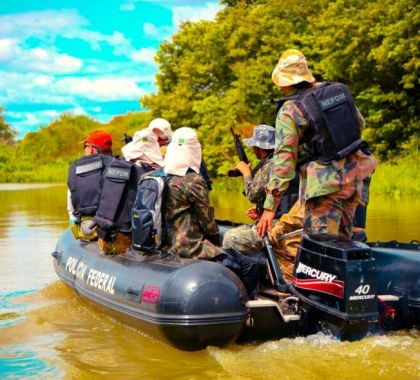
column 335, row 278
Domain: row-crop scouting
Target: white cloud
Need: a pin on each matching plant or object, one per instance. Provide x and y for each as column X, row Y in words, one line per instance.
column 27, row 121
column 95, row 109
column 7, row 49
column 39, row 89
column 40, row 23
column 157, row 32
column 42, row 60
column 150, row 30
column 192, row 13
column 23, row 121
column 117, row 40
column 49, row 24
column 145, row 55
column 128, row 7
column 100, row 89
column 30, row 88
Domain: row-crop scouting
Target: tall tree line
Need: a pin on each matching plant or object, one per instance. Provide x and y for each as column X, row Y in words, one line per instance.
column 217, row 74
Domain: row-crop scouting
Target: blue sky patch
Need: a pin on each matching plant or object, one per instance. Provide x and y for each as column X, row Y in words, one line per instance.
column 89, row 57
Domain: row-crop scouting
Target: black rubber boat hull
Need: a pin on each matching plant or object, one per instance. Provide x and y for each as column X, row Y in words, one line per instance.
column 398, row 273
column 189, row 304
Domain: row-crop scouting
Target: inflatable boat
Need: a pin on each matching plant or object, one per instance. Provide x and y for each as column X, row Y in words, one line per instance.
column 342, row 287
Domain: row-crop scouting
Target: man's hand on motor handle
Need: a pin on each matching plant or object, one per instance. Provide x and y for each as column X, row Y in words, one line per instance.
column 266, row 220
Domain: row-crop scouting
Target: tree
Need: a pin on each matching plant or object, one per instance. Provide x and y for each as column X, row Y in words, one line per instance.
column 7, row 134
column 215, row 74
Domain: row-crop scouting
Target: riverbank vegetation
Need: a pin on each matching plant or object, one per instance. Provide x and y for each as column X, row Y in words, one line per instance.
column 217, row 74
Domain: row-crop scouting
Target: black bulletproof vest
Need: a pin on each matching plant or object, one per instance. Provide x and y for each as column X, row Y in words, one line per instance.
column 333, row 131
column 85, row 183
column 117, row 196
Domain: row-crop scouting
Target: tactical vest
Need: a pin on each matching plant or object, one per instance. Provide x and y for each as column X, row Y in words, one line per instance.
column 333, row 130
column 117, row 196
column 85, row 183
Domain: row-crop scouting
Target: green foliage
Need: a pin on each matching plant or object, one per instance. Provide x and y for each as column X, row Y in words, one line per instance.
column 216, row 74
column 7, row 134
column 399, row 177
column 44, row 156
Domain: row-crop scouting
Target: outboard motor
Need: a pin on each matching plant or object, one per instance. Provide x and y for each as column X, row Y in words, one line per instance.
column 335, row 280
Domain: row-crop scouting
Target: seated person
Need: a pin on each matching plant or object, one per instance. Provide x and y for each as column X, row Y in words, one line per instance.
column 192, row 231
column 245, row 238
column 97, row 142
column 162, row 130
column 143, row 151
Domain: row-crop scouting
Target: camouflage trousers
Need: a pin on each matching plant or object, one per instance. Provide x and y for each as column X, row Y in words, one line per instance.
column 244, row 239
column 209, row 250
column 286, row 248
column 333, row 213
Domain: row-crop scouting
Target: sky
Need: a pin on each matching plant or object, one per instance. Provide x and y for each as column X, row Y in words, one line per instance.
column 90, row 57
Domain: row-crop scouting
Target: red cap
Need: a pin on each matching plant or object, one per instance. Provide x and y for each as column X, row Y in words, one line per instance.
column 101, row 139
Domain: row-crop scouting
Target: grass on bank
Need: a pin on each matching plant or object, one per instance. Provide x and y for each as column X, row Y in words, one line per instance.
column 397, row 178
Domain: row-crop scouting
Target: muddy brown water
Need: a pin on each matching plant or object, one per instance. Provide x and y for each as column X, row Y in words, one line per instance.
column 47, row 331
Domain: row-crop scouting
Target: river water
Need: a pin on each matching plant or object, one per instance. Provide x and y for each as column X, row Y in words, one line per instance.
column 47, row 332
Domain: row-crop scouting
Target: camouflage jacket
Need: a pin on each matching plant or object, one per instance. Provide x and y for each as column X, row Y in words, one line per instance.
column 190, row 218
column 316, row 179
column 254, row 185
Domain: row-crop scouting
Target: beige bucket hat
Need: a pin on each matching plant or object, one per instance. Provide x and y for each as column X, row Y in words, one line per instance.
column 291, row 69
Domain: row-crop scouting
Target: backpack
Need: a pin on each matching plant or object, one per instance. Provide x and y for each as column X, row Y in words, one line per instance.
column 147, row 219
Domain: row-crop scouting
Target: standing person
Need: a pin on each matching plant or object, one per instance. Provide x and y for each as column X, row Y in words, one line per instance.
column 192, row 231
column 321, row 122
column 143, row 151
column 245, row 238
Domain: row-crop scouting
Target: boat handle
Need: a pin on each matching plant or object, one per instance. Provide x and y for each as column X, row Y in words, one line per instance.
column 134, row 292
column 55, row 254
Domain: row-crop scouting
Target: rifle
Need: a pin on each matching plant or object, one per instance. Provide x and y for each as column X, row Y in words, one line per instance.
column 126, row 138
column 240, row 152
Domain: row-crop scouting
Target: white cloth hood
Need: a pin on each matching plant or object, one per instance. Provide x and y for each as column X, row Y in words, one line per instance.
column 161, row 127
column 183, row 152
column 144, row 148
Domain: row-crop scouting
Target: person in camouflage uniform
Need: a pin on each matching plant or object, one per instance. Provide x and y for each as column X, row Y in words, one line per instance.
column 245, row 238
column 330, row 190
column 192, row 231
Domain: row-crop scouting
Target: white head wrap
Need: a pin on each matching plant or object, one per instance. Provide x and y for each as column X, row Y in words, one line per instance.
column 144, row 148
column 184, row 151
column 161, row 125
